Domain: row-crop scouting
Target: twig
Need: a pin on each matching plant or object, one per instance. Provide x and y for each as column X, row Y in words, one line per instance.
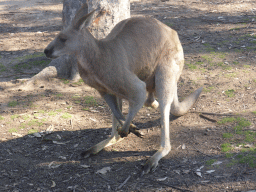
column 217, row 114
column 71, row 123
column 120, row 186
column 207, row 118
column 161, row 183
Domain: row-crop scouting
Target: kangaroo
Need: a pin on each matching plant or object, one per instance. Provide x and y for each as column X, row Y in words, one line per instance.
column 140, row 59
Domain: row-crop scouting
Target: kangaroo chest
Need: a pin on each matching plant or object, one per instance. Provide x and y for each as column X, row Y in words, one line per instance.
column 89, row 77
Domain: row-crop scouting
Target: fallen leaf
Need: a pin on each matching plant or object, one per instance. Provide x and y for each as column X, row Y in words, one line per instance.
column 85, row 166
column 210, row 171
column 103, row 170
column 177, row 171
column 76, row 145
column 198, row 174
column 53, row 184
column 217, row 163
column 206, row 181
column 62, row 157
column 60, row 143
column 53, row 166
column 162, row 179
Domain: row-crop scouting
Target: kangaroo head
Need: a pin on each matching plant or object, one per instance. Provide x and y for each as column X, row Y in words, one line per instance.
column 71, row 39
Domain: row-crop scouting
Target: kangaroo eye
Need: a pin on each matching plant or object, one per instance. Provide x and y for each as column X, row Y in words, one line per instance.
column 63, row 40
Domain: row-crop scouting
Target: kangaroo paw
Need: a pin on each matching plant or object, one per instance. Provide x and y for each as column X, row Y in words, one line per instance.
column 87, row 153
column 150, row 165
column 122, row 133
column 132, row 129
column 135, row 130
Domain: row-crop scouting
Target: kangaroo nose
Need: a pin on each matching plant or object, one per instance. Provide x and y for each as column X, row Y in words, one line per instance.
column 48, row 52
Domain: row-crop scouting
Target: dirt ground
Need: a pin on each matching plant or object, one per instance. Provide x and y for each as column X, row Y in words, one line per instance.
column 43, row 131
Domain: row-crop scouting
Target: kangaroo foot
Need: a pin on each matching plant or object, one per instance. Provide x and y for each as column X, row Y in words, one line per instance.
column 98, row 147
column 132, row 129
column 150, row 165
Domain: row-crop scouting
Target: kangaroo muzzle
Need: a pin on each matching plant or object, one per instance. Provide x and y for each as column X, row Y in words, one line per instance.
column 48, row 53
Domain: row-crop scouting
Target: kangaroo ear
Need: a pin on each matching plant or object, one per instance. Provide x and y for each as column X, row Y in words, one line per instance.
column 83, row 21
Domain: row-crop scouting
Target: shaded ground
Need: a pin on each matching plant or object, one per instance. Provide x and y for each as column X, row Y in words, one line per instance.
column 43, row 131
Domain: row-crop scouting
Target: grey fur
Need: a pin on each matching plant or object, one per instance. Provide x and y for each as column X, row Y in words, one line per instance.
column 140, row 55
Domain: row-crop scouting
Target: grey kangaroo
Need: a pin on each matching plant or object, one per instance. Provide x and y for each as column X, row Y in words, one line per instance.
column 139, row 60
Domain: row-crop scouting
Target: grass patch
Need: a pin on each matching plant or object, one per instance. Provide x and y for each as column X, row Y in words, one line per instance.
column 12, row 103
column 12, row 130
column 207, row 58
column 30, row 65
column 225, row 147
column 227, row 135
column 66, row 116
column 242, row 122
column 229, row 155
column 80, row 82
column 26, row 57
column 229, row 75
column 14, row 116
column 199, row 63
column 249, row 158
column 227, row 120
column 65, row 81
column 210, row 162
column 208, row 89
column 249, row 138
column 1, row 117
column 230, row 93
column 25, row 117
column 89, row 100
column 59, row 95
column 169, row 24
column 34, row 122
column 31, row 131
column 52, row 113
column 232, row 163
column 228, row 68
column 191, row 66
column 2, row 68
column 41, row 111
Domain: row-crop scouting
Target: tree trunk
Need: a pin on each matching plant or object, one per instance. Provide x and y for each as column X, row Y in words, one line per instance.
column 66, row 66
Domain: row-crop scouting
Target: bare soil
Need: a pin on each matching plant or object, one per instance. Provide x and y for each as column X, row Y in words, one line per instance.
column 43, row 131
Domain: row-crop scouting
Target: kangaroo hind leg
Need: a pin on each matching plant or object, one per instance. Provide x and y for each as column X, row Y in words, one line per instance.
column 115, row 137
column 166, row 88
